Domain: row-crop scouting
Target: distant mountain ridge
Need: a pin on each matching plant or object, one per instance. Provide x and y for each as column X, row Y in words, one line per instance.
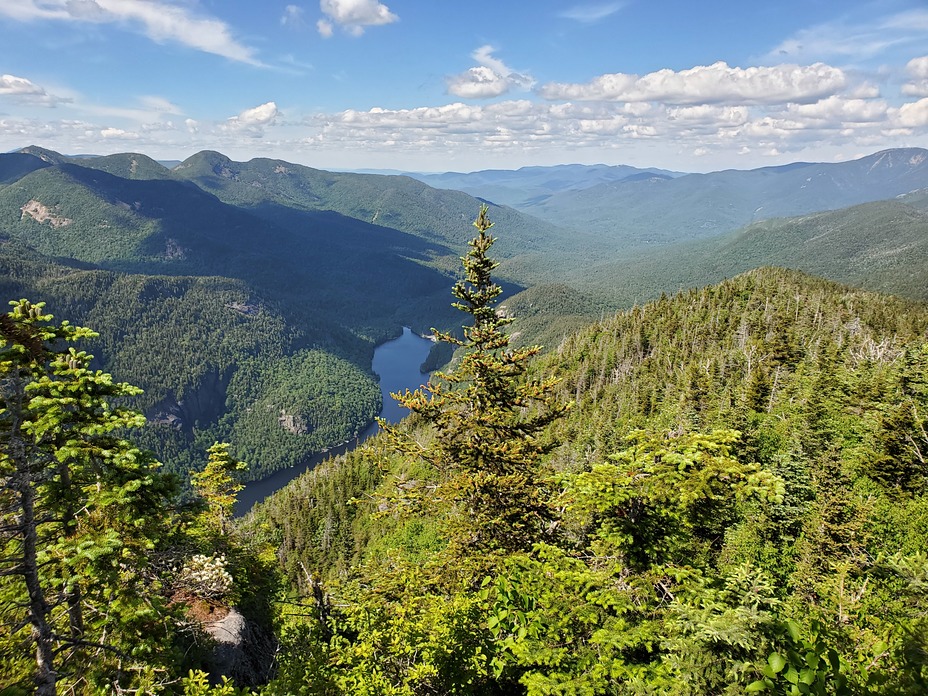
column 881, row 246
column 528, row 186
column 628, row 209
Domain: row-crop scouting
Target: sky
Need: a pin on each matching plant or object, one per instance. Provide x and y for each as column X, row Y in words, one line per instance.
column 441, row 85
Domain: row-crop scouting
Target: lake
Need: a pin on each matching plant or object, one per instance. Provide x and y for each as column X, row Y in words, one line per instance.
column 397, row 364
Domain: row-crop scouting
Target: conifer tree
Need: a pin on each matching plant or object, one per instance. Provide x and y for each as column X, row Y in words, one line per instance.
column 80, row 511
column 217, row 484
column 486, row 414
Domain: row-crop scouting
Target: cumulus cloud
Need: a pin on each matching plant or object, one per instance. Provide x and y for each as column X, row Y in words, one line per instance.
column 253, row 121
column 24, row 90
column 709, row 84
column 592, row 13
column 784, row 128
column 913, row 115
column 490, row 78
column 841, row 111
column 118, row 134
column 716, row 116
column 917, row 68
column 159, row 20
column 353, row 16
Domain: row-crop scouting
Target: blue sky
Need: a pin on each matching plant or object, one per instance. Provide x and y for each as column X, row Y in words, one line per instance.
column 442, row 85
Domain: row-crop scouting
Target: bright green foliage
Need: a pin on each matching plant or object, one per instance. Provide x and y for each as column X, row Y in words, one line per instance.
column 218, row 485
column 82, row 511
column 398, row 628
column 803, row 665
column 639, row 604
column 487, row 418
column 414, row 619
column 197, row 683
column 665, row 490
column 763, row 525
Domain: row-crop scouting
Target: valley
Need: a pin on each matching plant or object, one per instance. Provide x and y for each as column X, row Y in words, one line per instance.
column 692, row 408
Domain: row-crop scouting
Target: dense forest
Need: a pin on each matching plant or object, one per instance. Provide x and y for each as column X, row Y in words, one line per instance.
column 721, row 491
column 735, row 503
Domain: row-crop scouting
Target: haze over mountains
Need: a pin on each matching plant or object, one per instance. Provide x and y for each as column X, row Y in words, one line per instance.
column 643, row 207
column 237, row 273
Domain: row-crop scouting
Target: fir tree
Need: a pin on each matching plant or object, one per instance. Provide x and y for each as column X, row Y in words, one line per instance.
column 486, row 415
column 80, row 511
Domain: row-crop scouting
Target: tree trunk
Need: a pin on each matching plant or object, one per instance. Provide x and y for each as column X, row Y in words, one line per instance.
column 39, row 609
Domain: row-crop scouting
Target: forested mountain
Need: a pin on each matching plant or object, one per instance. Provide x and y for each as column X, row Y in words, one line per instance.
column 880, row 246
column 741, row 489
column 211, row 307
column 638, row 213
column 285, row 193
column 270, row 268
column 719, row 492
column 529, row 186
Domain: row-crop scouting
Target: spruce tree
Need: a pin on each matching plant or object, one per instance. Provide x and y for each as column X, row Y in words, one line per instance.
column 80, row 511
column 487, row 415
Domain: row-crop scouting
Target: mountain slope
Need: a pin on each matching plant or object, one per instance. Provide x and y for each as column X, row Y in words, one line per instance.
column 686, row 412
column 635, row 214
column 208, row 306
column 530, row 186
column 398, row 202
column 880, row 246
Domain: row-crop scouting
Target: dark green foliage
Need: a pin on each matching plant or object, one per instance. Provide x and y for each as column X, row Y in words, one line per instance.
column 486, row 418
column 81, row 510
column 202, row 303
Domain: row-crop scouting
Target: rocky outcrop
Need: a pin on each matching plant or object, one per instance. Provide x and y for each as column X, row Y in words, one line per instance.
column 204, row 404
column 244, row 652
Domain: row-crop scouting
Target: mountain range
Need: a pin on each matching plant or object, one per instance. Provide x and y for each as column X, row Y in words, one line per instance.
column 641, row 208
column 246, row 297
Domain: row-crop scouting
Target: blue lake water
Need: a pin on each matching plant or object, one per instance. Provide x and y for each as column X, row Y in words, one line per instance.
column 397, row 364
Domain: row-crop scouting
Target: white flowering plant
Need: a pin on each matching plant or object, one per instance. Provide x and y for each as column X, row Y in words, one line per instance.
column 206, row 576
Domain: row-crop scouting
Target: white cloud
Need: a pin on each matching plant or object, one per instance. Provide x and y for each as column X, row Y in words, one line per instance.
column 24, row 90
column 325, row 28
column 353, row 15
column 490, row 78
column 712, row 84
column 292, row 16
column 589, row 14
column 253, row 121
column 159, row 20
column 917, row 68
column 913, row 115
column 193, row 126
column 478, row 83
column 841, row 111
column 716, row 116
column 862, row 40
column 118, row 134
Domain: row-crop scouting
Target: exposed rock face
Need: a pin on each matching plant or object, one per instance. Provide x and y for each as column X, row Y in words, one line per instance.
column 244, row 652
column 293, row 423
column 42, row 213
column 205, row 404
